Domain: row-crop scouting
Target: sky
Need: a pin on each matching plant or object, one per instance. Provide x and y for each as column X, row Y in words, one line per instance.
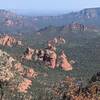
column 49, row 5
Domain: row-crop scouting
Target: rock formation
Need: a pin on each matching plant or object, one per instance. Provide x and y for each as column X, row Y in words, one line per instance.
column 64, row 62
column 57, row 41
column 14, row 76
column 28, row 54
column 30, row 73
column 48, row 55
column 24, row 85
column 76, row 26
column 36, row 54
column 53, row 58
column 40, row 54
column 7, row 40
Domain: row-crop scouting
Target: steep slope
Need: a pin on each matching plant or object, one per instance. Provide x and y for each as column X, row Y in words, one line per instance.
column 89, row 16
column 14, row 78
column 12, row 23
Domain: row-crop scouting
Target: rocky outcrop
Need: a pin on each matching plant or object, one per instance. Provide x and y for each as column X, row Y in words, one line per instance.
column 36, row 54
column 76, row 26
column 53, row 59
column 28, row 54
column 49, row 57
column 14, row 76
column 57, row 41
column 64, row 62
column 7, row 40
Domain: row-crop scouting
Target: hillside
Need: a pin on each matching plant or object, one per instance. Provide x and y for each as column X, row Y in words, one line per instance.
column 89, row 16
column 19, row 82
column 81, row 46
column 24, row 78
column 23, row 24
column 13, row 23
column 15, row 78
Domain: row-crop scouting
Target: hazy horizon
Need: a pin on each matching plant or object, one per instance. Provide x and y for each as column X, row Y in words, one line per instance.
column 47, row 7
column 39, row 13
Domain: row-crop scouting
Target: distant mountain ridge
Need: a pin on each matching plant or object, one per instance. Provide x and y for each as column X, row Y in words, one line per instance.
column 86, row 13
column 89, row 16
column 11, row 22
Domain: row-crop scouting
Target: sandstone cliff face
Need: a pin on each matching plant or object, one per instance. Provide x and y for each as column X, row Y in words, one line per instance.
column 53, row 58
column 90, row 13
column 76, row 26
column 9, row 41
column 64, row 62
